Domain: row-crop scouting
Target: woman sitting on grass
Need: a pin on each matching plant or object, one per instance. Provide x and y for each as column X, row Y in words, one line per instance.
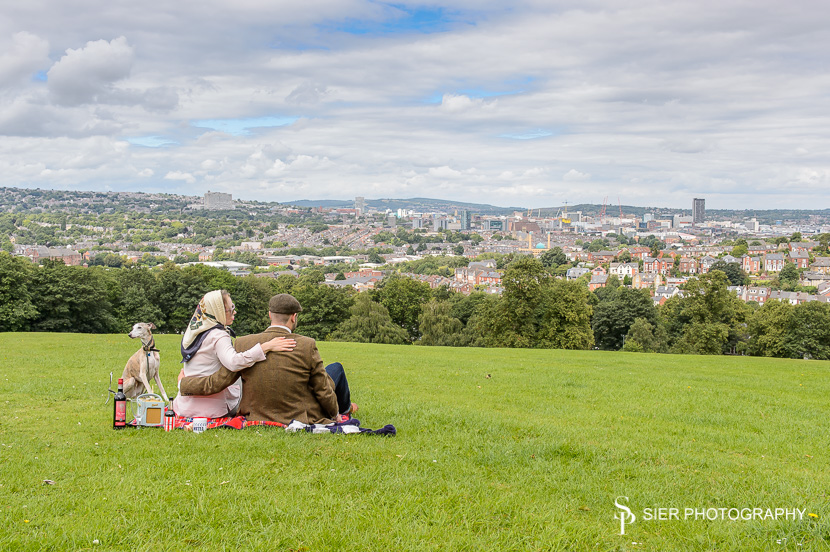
column 207, row 345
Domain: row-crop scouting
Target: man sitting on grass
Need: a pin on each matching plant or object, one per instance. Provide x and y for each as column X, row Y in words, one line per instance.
column 288, row 385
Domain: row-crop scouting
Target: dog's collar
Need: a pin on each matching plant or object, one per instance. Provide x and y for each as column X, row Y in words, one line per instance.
column 151, row 346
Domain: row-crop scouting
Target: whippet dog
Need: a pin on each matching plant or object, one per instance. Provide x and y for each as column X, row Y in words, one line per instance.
column 143, row 365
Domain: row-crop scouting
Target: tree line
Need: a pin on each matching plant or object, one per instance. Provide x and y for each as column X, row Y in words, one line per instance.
column 535, row 310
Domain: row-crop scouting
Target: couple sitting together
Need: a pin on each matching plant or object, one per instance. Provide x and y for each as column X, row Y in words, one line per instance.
column 274, row 376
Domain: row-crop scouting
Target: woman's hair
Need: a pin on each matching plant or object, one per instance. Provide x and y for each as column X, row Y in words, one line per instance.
column 226, row 297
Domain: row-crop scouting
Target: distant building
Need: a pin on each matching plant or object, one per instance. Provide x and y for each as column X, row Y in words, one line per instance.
column 465, row 220
column 492, row 225
column 360, row 205
column 678, row 221
column 68, row 256
column 698, row 210
column 217, row 201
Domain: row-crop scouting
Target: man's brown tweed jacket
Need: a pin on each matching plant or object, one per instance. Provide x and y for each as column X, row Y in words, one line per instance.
column 285, row 386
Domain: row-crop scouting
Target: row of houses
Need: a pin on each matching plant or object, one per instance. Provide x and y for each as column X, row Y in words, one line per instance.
column 759, row 295
column 38, row 254
column 367, row 279
column 763, row 294
column 479, row 273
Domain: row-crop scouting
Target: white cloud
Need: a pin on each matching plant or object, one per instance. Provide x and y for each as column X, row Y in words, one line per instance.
column 455, row 103
column 574, row 175
column 179, row 175
column 89, row 73
column 20, row 60
column 671, row 100
column 444, row 172
column 307, row 93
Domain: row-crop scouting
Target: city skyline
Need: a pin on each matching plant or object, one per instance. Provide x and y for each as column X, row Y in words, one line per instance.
column 531, row 104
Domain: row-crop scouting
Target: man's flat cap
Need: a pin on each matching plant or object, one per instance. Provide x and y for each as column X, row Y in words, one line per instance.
column 284, row 304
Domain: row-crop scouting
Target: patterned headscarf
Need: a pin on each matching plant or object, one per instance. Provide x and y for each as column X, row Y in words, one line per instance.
column 209, row 314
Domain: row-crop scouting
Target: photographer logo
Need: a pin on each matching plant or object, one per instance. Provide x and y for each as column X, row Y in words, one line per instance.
column 705, row 514
column 625, row 515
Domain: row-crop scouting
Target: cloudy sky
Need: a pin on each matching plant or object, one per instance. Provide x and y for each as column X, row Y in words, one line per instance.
column 528, row 103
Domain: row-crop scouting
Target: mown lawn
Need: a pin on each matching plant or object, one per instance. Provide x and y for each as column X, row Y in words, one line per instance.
column 530, row 458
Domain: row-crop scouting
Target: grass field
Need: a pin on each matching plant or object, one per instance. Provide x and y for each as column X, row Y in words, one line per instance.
column 531, row 458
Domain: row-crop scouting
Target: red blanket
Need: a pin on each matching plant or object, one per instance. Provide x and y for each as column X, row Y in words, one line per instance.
column 237, row 422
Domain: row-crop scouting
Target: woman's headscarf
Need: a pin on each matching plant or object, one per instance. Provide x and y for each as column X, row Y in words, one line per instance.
column 209, row 314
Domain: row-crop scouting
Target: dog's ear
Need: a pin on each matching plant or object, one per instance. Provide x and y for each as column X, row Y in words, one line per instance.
column 152, row 326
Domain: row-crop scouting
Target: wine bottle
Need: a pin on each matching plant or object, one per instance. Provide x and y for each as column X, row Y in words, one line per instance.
column 119, row 414
column 169, row 418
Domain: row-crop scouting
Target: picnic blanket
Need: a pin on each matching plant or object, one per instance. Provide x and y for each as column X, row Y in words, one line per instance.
column 235, row 422
column 351, row 425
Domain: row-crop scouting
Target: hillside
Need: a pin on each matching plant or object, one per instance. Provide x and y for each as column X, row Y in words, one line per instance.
column 496, row 449
column 418, row 204
column 22, row 200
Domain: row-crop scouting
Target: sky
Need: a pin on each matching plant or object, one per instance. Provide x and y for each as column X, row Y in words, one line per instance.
column 531, row 103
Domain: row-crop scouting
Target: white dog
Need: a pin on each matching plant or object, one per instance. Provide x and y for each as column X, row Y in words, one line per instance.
column 143, row 365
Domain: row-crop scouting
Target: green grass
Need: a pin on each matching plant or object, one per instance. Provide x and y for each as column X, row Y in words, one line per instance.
column 531, row 458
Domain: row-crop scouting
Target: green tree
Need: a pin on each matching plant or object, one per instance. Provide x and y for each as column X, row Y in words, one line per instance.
column 598, row 245
column 768, row 329
column 524, row 283
column 534, row 311
column 553, row 258
column 652, row 242
column 565, row 318
column 177, row 292
column 17, row 309
column 740, row 250
column 374, row 257
column 324, row 308
column 369, row 323
column 311, row 276
column 645, row 337
column 733, row 271
column 463, row 306
column 788, row 277
column 71, row 299
column 250, row 295
column 439, row 327
column 708, row 318
column 383, row 237
column 604, row 293
column 614, row 317
column 404, row 299
column 809, row 335
column 130, row 296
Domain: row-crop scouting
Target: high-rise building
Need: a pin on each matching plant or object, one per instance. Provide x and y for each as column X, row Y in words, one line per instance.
column 218, row 201
column 465, row 220
column 698, row 210
column 360, row 205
